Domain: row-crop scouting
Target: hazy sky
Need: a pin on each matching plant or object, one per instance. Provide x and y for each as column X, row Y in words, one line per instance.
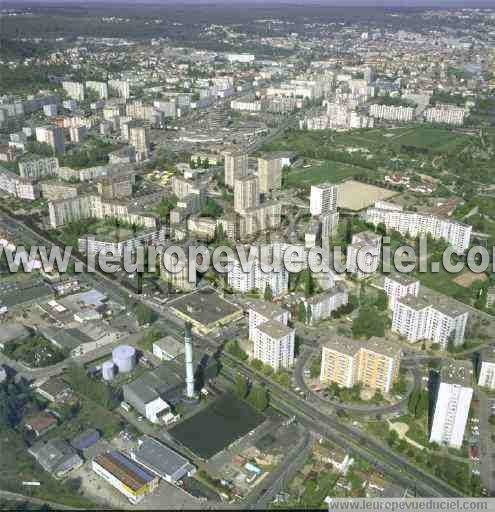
column 378, row 3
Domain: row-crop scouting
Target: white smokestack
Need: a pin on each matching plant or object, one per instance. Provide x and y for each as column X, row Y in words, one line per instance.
column 188, row 356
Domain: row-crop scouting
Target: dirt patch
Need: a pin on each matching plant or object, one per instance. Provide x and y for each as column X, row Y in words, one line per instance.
column 354, row 195
column 468, row 278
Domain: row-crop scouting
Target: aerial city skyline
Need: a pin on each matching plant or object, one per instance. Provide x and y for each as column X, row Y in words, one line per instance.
column 247, row 255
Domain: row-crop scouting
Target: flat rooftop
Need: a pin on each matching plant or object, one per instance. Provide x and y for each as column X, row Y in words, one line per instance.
column 275, row 329
column 204, row 306
column 160, row 458
column 458, row 372
column 351, row 346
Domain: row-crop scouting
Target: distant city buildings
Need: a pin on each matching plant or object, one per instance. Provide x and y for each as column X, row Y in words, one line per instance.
column 53, row 136
column 236, row 166
column 391, row 113
column 39, row 168
column 445, row 114
column 246, row 193
column 270, row 167
column 139, row 139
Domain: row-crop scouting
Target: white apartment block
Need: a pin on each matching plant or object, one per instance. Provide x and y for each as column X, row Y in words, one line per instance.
column 329, row 223
column 262, row 218
column 121, row 87
column 398, row 286
column 323, row 199
column 53, row 136
column 413, row 224
column 90, row 244
column 275, row 346
column 246, row 193
column 260, row 312
column 17, row 186
column 486, row 377
column 246, row 105
column 446, row 114
column 236, row 166
column 139, row 138
column 391, row 113
column 363, row 254
column 242, row 58
column 255, row 277
column 100, row 88
column 273, row 340
column 453, row 400
column 435, row 318
column 39, row 168
column 321, row 306
column 74, row 90
column 82, row 207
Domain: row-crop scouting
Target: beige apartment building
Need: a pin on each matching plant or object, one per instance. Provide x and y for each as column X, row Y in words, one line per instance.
column 373, row 363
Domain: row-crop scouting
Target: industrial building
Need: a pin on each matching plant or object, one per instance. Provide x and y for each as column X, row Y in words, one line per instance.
column 127, row 476
column 162, row 460
column 167, row 348
column 152, row 393
column 206, row 310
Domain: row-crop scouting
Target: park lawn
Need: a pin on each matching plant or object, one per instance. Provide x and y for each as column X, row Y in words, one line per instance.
column 443, row 282
column 328, row 171
column 436, row 140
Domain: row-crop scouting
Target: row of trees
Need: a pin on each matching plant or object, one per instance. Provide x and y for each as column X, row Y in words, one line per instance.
column 256, row 395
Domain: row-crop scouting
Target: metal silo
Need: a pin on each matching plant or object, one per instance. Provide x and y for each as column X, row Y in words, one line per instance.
column 124, row 357
column 108, row 370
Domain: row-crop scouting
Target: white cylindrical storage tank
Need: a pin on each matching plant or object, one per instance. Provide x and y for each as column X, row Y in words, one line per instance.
column 124, row 358
column 108, row 370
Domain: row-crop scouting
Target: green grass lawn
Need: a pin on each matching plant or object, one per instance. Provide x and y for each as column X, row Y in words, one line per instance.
column 436, row 140
column 328, row 171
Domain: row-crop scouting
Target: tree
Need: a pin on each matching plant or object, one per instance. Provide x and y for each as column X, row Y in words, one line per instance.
column 219, row 233
column 369, row 323
column 309, row 285
column 241, row 386
column 422, row 405
column 144, row 315
column 301, row 313
column 258, row 397
column 381, row 301
column 268, row 296
column 309, row 314
column 450, row 343
column 334, row 390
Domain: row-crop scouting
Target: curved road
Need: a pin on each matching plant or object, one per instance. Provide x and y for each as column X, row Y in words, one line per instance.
column 353, row 408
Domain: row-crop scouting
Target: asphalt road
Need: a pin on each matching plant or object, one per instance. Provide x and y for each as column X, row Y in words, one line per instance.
column 360, row 443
